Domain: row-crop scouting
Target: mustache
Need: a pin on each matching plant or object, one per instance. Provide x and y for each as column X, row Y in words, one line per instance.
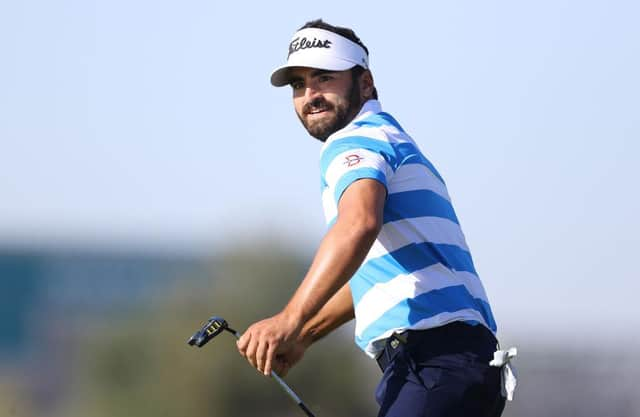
column 316, row 104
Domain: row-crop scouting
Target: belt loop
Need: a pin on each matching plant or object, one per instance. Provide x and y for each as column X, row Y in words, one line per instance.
column 402, row 337
column 392, row 343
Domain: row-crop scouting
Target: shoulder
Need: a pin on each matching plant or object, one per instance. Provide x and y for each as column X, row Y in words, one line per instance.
column 360, row 136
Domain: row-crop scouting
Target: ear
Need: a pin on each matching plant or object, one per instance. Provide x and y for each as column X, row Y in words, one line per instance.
column 366, row 85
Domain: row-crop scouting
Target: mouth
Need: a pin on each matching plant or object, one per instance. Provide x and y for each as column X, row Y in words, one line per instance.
column 316, row 112
column 317, row 107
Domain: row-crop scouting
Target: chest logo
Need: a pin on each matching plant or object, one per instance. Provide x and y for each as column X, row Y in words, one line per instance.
column 352, row 160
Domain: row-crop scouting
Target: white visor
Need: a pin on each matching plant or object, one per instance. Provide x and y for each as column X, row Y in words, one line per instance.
column 321, row 49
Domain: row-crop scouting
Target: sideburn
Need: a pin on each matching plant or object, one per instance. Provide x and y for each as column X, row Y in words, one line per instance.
column 355, row 104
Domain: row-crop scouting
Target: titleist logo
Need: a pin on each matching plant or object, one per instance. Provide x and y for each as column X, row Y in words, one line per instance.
column 304, row 43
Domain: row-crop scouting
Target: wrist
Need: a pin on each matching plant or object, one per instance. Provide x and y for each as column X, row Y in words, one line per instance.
column 306, row 330
column 293, row 321
column 308, row 335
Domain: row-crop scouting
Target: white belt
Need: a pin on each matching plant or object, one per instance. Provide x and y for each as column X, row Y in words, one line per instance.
column 502, row 360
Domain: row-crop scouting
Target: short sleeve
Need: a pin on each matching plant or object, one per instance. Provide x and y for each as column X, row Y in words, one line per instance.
column 352, row 160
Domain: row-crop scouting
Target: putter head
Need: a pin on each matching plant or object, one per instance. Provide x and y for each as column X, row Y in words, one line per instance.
column 211, row 329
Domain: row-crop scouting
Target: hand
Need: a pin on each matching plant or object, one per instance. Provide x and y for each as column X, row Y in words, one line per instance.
column 267, row 340
column 287, row 359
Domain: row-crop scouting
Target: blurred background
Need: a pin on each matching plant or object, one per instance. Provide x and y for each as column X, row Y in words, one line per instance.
column 150, row 177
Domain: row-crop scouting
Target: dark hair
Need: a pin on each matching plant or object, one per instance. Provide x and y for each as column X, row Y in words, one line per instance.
column 357, row 70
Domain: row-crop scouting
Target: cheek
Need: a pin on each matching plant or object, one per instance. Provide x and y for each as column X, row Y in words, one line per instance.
column 297, row 105
column 332, row 98
column 339, row 101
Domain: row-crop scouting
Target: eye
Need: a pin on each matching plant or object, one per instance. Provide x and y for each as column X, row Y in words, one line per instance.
column 325, row 77
column 297, row 84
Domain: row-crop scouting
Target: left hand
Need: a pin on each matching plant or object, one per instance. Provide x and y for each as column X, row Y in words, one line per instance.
column 267, row 338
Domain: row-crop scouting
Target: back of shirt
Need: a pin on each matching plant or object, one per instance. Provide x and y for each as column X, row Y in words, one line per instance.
column 419, row 272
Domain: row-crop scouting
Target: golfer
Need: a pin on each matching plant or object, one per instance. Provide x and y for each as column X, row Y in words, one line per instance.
column 394, row 256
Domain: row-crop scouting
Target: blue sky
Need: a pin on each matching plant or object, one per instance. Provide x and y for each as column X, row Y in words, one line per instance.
column 153, row 124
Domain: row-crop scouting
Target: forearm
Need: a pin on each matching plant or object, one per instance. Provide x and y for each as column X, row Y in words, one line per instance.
column 337, row 311
column 340, row 254
column 322, row 302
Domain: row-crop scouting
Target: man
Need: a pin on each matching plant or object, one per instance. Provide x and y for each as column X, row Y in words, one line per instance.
column 394, row 256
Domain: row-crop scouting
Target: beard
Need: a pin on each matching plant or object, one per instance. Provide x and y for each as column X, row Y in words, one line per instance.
column 342, row 114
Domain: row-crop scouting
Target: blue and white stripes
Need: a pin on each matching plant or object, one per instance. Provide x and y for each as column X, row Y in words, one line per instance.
column 419, row 272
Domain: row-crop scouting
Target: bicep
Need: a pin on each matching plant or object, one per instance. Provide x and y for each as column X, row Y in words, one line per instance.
column 363, row 200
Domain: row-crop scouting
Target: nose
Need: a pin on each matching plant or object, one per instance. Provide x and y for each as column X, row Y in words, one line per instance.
column 311, row 91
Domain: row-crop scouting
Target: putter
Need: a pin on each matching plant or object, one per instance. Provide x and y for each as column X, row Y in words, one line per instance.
column 217, row 325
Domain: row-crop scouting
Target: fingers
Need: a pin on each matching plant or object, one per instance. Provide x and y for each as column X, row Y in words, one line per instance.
column 261, row 356
column 271, row 353
column 264, row 340
column 252, row 348
column 243, row 342
column 248, row 346
column 258, row 349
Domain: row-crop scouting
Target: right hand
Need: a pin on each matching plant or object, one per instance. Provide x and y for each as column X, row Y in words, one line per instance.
column 263, row 341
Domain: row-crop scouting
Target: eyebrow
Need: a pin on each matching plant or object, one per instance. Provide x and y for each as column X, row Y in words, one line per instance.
column 295, row 79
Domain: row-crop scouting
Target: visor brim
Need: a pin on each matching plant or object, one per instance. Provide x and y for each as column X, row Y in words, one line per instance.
column 282, row 76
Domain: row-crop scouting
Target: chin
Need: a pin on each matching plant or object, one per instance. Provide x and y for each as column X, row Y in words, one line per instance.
column 321, row 128
column 321, row 131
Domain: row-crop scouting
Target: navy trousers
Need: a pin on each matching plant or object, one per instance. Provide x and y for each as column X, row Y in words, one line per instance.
column 440, row 372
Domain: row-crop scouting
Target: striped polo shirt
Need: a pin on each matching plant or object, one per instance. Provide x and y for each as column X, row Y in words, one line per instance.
column 419, row 273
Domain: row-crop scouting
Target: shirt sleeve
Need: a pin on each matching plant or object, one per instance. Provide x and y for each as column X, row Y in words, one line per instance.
column 349, row 161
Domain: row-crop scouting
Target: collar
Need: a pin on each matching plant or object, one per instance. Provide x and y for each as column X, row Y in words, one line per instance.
column 368, row 108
